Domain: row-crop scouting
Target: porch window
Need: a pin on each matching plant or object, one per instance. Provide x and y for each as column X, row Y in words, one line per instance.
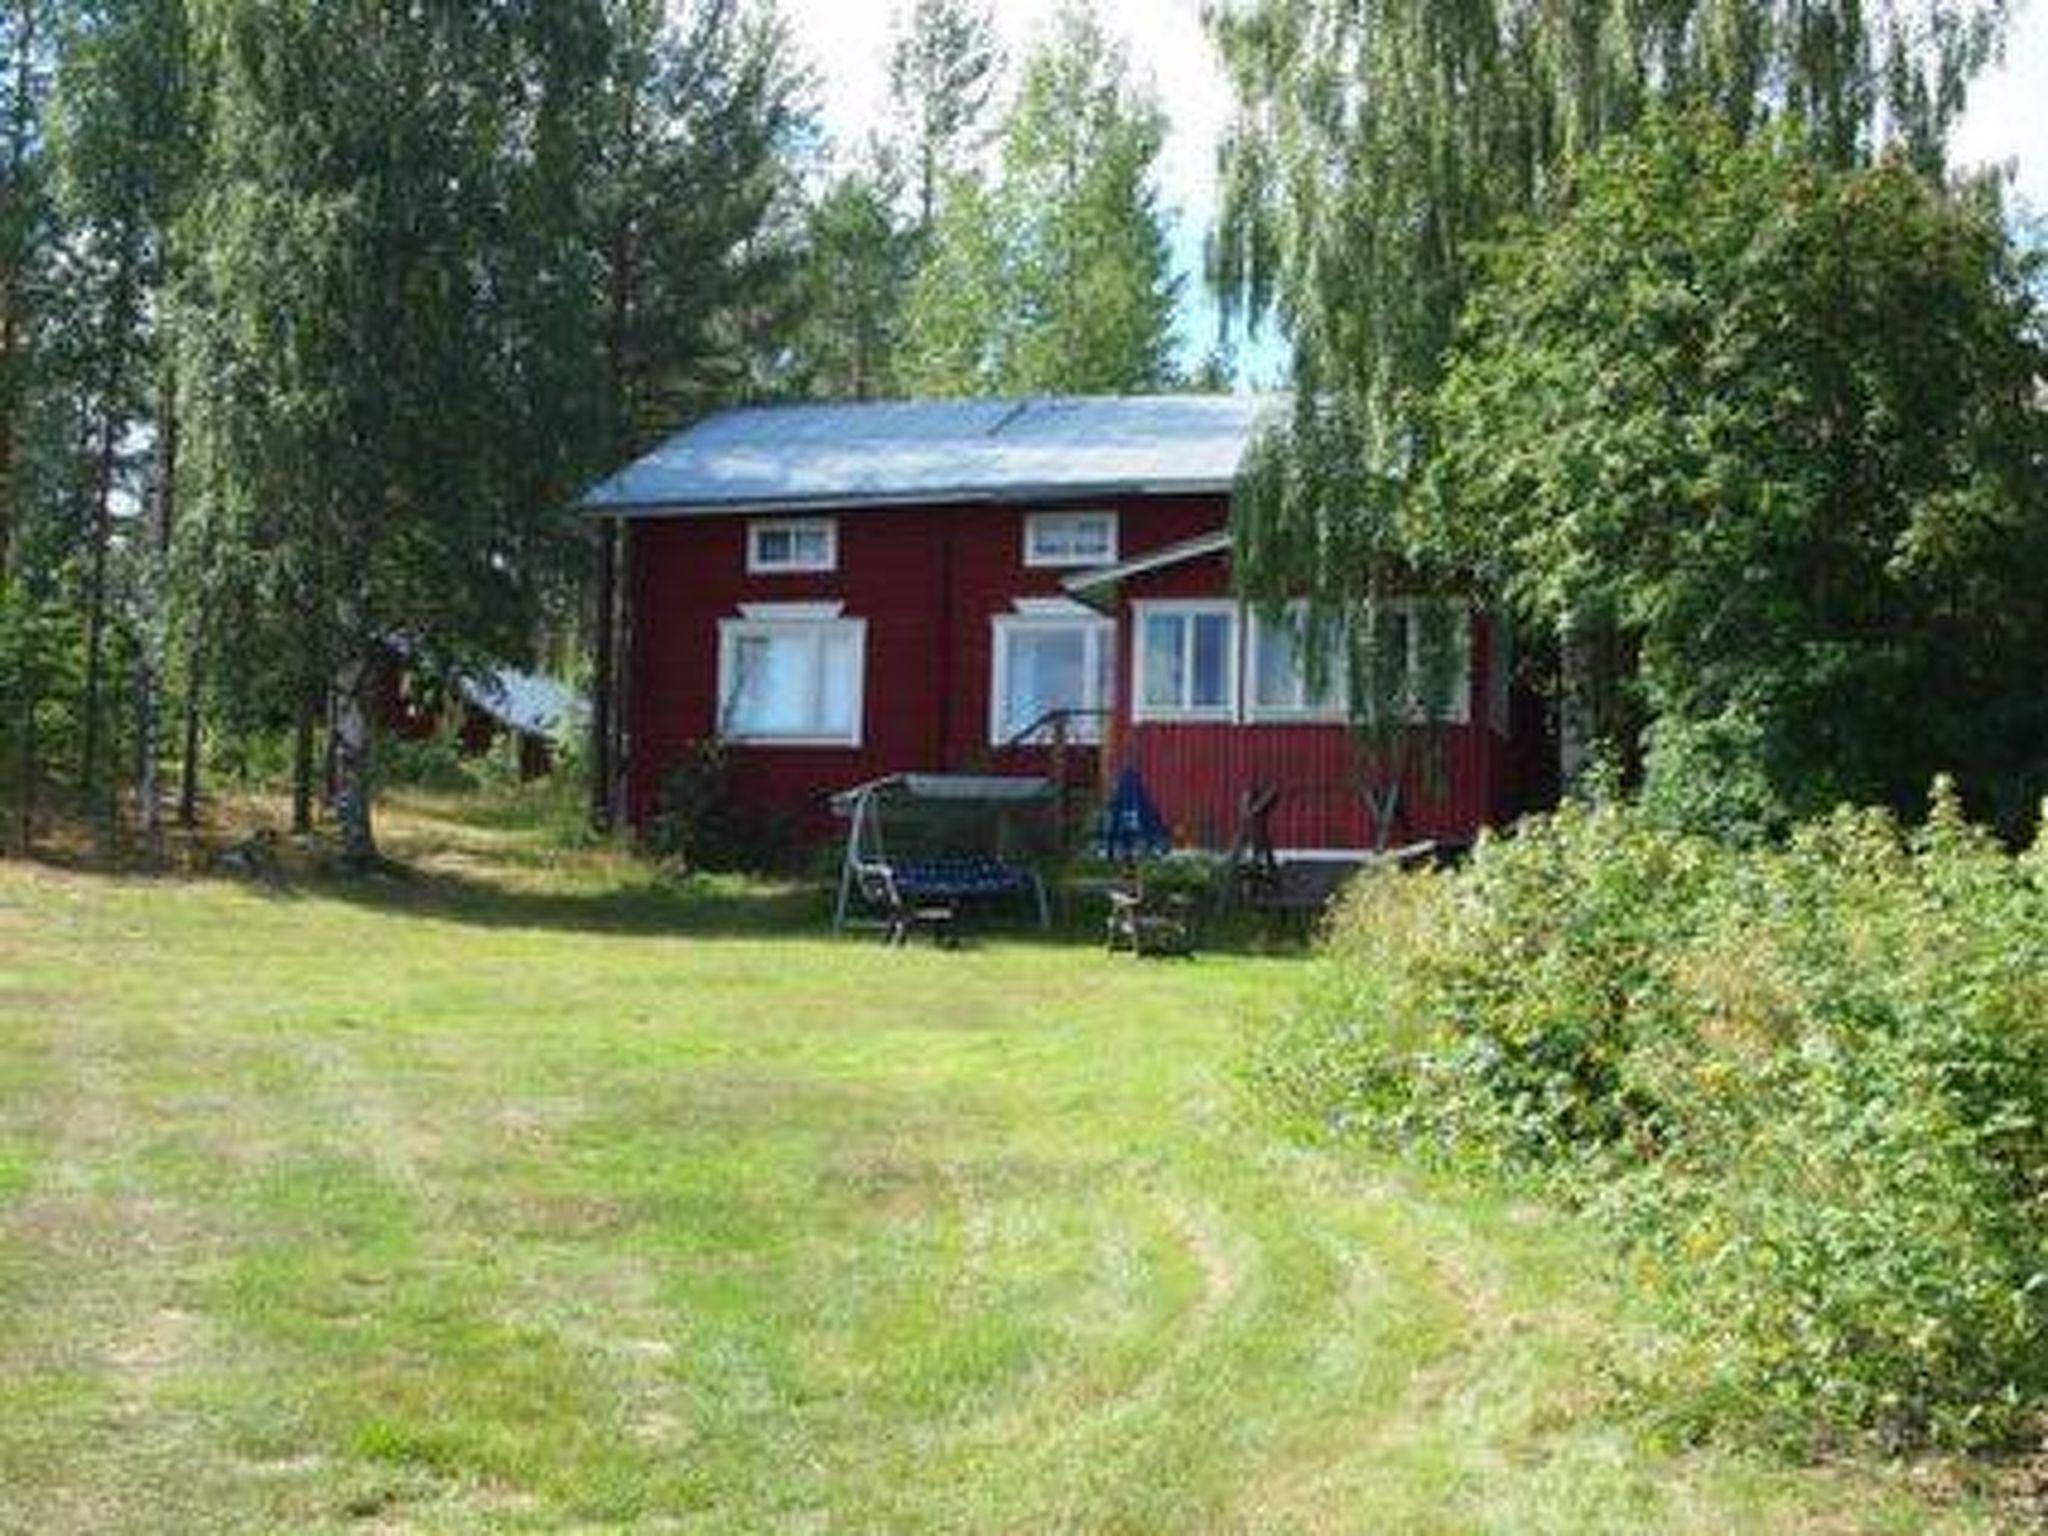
column 791, row 682
column 1186, row 661
column 1070, row 538
column 792, row 545
column 1280, row 656
column 1043, row 664
column 1406, row 627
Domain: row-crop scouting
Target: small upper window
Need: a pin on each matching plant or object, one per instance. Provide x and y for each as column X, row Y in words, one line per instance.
column 1070, row 538
column 806, row 544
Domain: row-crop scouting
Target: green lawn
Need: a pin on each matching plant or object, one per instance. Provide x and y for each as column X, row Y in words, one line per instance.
column 528, row 1194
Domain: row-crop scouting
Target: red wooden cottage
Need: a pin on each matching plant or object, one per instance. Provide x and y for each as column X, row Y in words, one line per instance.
column 840, row 592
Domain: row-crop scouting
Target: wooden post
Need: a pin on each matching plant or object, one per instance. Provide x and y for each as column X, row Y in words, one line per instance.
column 603, row 672
column 1060, row 786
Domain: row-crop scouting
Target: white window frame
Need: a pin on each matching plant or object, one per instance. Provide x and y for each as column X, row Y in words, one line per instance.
column 1101, row 633
column 1142, row 612
column 1458, row 710
column 759, row 565
column 1305, row 713
column 732, row 631
column 1036, row 523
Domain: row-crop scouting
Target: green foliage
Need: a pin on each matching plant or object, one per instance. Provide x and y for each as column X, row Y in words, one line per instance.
column 699, row 823
column 41, row 648
column 1058, row 278
column 688, row 213
column 943, row 68
column 1810, row 1083
column 856, row 268
column 1713, row 776
column 1778, row 426
column 432, row 763
column 1379, row 144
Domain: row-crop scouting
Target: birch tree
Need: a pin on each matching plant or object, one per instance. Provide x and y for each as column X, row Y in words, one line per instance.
column 1379, row 144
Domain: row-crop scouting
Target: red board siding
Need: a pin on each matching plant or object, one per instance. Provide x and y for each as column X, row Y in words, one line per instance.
column 927, row 580
column 1454, row 782
column 1198, row 773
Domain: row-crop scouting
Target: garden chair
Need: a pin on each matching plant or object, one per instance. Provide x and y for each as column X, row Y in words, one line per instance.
column 900, row 917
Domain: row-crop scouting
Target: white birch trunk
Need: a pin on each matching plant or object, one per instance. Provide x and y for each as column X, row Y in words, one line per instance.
column 352, row 743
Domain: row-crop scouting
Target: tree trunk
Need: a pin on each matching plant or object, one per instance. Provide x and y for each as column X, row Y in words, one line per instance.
column 148, row 743
column 14, row 287
column 156, row 631
column 330, row 780
column 353, row 745
column 96, row 615
column 26, row 769
column 302, row 764
column 604, row 673
column 188, row 771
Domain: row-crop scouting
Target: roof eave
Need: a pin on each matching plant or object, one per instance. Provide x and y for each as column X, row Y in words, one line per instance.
column 1098, row 587
column 941, row 496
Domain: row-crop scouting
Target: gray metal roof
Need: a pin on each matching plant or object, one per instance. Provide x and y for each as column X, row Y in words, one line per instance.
column 893, row 452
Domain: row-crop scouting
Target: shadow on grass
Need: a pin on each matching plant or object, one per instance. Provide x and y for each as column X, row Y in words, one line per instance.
column 641, row 899
column 654, row 905
column 650, row 906
column 545, row 881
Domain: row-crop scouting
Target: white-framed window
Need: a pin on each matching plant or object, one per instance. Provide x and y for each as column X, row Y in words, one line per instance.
column 792, row 544
column 1404, row 624
column 1184, row 661
column 1043, row 662
column 1070, row 538
column 1281, row 649
column 792, row 681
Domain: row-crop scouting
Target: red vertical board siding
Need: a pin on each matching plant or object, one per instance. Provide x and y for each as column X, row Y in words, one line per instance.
column 928, row 580
column 1198, row 773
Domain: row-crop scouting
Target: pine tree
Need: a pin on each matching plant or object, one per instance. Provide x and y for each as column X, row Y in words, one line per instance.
column 1059, row 278
column 944, row 67
column 855, row 265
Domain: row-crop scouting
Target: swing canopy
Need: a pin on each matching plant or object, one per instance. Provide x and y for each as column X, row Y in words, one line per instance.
column 988, row 789
column 943, row 838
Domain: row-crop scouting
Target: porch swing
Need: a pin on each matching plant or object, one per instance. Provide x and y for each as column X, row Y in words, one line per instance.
column 920, row 847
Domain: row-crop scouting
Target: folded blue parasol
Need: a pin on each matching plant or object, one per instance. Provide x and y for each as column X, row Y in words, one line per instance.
column 1132, row 827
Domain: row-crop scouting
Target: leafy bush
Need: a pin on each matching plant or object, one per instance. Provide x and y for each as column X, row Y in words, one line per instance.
column 1809, row 1082
column 702, row 824
column 431, row 763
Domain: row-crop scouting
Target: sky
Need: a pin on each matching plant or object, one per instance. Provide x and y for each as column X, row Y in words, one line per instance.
column 848, row 40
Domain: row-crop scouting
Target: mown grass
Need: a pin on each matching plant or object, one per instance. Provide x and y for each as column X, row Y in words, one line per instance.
column 529, row 1191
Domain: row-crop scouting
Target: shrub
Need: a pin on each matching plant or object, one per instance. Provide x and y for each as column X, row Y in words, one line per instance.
column 702, row 824
column 1808, row 1082
column 697, row 821
column 431, row 763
